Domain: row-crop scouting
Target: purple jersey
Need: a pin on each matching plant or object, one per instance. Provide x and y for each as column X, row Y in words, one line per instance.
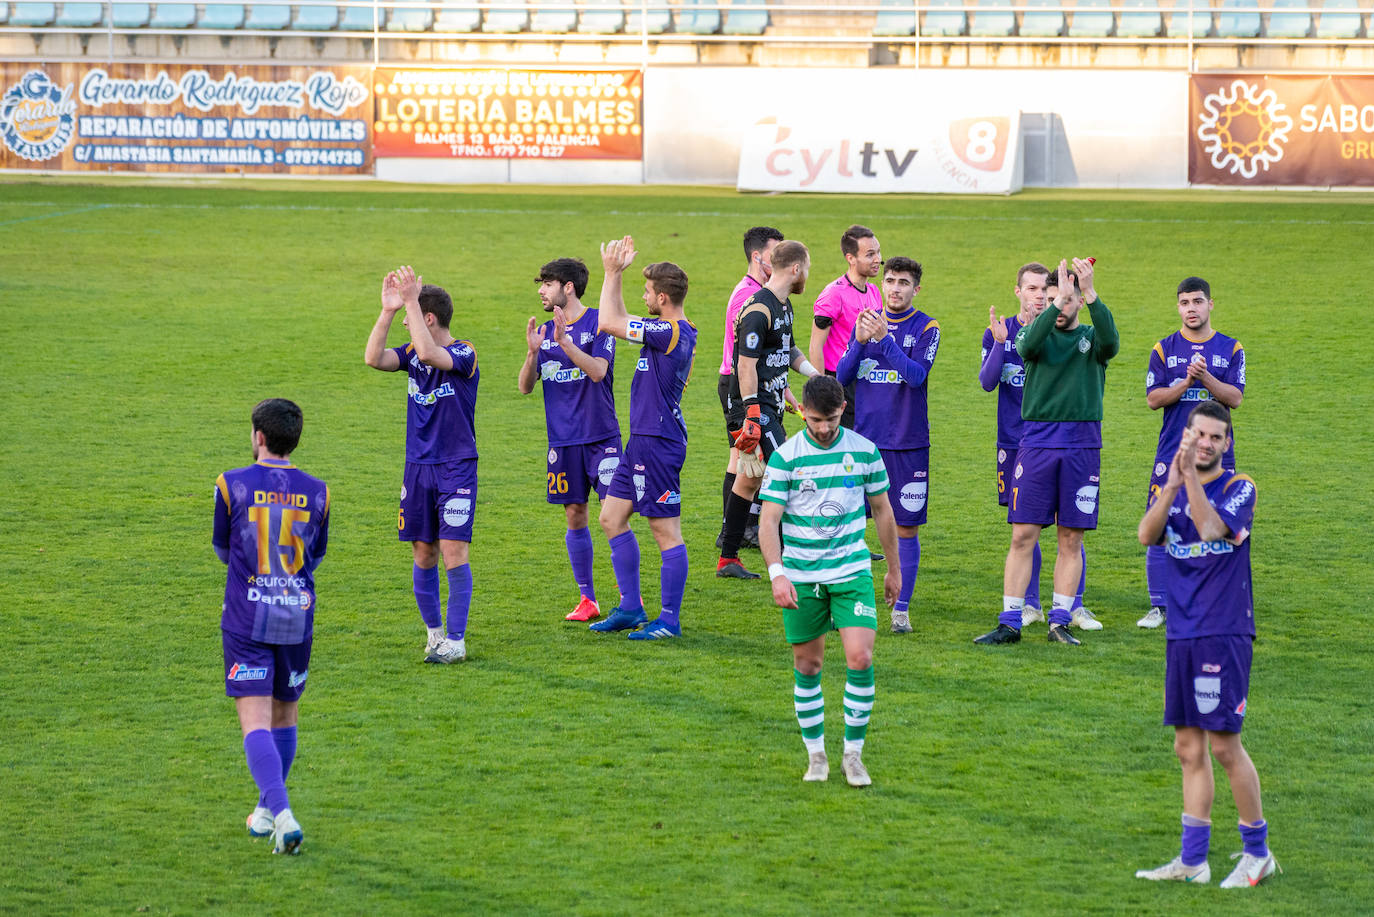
column 665, row 363
column 273, row 520
column 841, row 302
column 1003, row 368
column 439, row 415
column 576, row 409
column 1169, row 361
column 1208, row 583
column 889, row 379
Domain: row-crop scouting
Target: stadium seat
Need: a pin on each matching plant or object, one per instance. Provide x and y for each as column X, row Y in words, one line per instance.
column 458, row 19
column 740, row 20
column 316, row 18
column 602, row 17
column 658, row 20
column 410, row 19
column 513, row 17
column 34, row 14
column 81, row 15
column 1139, row 19
column 1090, row 23
column 359, row 19
column 943, row 21
column 173, row 16
column 1339, row 25
column 1042, row 23
column 1196, row 12
column 130, row 15
column 993, row 19
column 554, row 17
column 266, row 17
column 221, row 16
column 1238, row 19
column 1295, row 24
column 898, row 21
column 698, row 17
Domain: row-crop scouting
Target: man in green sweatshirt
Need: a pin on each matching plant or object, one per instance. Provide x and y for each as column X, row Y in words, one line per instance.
column 1058, row 464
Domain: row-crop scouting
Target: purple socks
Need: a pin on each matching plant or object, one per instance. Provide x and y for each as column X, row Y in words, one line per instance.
column 1033, row 587
column 459, row 600
column 909, row 556
column 426, row 583
column 579, row 542
column 625, row 563
column 1197, row 837
column 672, row 579
column 285, row 740
column 265, row 764
column 1256, row 839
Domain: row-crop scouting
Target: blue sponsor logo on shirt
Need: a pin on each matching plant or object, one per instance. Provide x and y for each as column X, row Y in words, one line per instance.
column 883, row 377
column 552, row 371
column 643, row 365
column 1199, row 549
column 240, row 672
column 427, row 398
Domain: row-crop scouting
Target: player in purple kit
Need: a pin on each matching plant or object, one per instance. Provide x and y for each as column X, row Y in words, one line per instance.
column 759, row 242
column 1194, row 364
column 576, row 365
column 838, row 307
column 1058, row 463
column 1202, row 516
column 271, row 529
column 888, row 362
column 439, row 489
column 648, row 479
column 1003, row 369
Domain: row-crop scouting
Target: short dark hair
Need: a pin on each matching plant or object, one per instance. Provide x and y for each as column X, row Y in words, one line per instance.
column 757, row 238
column 823, row 394
column 435, row 301
column 1194, row 285
column 1034, row 267
column 669, row 279
column 900, row 265
column 788, row 254
column 566, row 270
column 849, row 239
column 1054, row 279
column 280, row 422
column 1213, row 409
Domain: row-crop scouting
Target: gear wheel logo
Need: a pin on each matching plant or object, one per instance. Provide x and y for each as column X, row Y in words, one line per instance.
column 1243, row 129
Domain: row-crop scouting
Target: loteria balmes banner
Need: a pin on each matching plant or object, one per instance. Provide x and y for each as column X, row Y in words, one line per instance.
column 509, row 114
column 1247, row 129
column 170, row 118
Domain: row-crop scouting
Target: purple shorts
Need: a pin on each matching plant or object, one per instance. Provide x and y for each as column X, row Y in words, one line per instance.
column 908, row 475
column 1006, row 465
column 253, row 669
column 648, row 475
column 1206, row 680
column 576, row 470
column 438, row 501
column 1050, row 486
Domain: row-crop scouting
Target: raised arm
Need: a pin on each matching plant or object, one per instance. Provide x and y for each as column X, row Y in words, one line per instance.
column 990, row 372
column 376, row 354
column 426, row 349
column 616, row 255
column 1106, row 340
column 529, row 370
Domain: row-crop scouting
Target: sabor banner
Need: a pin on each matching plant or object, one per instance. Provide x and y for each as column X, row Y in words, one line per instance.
column 509, row 114
column 169, row 118
column 1247, row 129
column 975, row 155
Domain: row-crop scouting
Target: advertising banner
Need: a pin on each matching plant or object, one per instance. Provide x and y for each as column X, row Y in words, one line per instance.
column 168, row 118
column 971, row 155
column 1281, row 130
column 510, row 114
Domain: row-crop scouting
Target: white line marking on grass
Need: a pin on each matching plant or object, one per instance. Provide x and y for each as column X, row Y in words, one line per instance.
column 701, row 214
column 49, row 216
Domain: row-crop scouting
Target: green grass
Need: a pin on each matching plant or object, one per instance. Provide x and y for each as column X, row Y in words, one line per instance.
column 561, row 773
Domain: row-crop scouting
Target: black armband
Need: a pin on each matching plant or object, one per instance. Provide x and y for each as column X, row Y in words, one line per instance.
column 823, row 321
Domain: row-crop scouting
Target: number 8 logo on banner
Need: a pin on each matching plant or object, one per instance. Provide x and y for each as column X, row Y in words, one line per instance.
column 981, row 142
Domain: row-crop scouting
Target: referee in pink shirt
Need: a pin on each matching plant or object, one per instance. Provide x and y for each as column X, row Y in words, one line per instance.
column 839, row 305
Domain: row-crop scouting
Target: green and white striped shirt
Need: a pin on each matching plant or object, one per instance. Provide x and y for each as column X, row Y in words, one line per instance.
column 822, row 493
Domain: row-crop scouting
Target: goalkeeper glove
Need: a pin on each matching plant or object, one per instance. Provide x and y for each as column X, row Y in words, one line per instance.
column 747, row 440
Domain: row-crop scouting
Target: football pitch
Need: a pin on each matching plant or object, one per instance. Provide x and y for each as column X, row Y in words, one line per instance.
column 559, row 771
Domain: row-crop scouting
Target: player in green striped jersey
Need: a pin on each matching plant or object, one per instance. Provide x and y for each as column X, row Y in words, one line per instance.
column 813, row 493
